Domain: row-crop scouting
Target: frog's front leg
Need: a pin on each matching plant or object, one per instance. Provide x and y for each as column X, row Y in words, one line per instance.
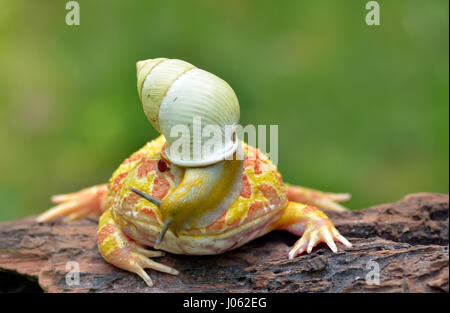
column 121, row 251
column 312, row 225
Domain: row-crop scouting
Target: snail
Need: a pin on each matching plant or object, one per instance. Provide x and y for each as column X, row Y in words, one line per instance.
column 195, row 189
column 176, row 93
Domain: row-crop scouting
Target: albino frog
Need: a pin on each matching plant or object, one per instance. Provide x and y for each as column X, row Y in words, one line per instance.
column 196, row 205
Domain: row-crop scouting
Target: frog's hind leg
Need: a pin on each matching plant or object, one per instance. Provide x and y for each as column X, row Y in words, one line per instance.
column 324, row 200
column 77, row 205
column 312, row 225
column 121, row 251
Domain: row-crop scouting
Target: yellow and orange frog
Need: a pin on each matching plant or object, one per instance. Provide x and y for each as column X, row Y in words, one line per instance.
column 150, row 202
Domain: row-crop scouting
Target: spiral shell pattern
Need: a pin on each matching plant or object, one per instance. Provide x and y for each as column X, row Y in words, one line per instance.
column 174, row 92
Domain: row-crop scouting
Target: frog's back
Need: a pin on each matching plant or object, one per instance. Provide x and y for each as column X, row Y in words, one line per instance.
column 260, row 203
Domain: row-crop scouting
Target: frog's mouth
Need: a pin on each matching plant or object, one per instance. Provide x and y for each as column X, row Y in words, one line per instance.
column 202, row 196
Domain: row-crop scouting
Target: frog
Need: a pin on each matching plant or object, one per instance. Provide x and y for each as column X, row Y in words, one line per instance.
column 157, row 203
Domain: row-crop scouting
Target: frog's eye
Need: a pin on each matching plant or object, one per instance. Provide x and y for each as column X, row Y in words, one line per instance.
column 162, row 165
column 147, row 197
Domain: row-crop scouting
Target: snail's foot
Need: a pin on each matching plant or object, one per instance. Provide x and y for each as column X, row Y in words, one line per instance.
column 312, row 225
column 324, row 200
column 77, row 205
column 119, row 250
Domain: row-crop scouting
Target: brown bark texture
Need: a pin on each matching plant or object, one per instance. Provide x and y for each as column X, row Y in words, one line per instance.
column 405, row 242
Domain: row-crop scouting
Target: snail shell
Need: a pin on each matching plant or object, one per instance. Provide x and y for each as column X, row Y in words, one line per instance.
column 174, row 92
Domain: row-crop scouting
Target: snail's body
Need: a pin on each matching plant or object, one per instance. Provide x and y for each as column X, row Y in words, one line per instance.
column 196, row 210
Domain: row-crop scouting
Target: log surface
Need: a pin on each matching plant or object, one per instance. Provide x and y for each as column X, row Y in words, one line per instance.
column 406, row 240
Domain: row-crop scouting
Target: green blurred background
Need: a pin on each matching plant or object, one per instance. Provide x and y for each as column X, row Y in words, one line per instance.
column 360, row 109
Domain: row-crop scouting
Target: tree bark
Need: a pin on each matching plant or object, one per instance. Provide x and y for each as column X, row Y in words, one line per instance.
column 406, row 241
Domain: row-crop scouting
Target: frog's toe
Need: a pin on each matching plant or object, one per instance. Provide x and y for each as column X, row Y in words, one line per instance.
column 311, row 238
column 341, row 238
column 325, row 200
column 328, row 239
column 306, row 243
column 131, row 257
column 299, row 247
column 312, row 225
column 77, row 205
column 125, row 253
column 149, row 253
column 139, row 262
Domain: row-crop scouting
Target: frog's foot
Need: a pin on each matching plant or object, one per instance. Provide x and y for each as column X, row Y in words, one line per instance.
column 76, row 205
column 320, row 199
column 121, row 251
column 312, row 225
